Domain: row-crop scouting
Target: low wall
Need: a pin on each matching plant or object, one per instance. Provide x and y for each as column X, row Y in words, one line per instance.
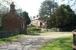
column 4, row 34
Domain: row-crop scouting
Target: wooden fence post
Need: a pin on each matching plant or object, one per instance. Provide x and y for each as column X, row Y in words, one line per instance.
column 74, row 40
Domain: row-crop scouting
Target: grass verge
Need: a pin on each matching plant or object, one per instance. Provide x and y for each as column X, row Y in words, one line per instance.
column 9, row 39
column 59, row 44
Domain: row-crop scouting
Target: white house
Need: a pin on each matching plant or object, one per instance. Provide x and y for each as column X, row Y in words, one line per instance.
column 37, row 22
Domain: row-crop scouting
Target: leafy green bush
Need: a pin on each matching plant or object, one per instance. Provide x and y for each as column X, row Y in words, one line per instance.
column 33, row 30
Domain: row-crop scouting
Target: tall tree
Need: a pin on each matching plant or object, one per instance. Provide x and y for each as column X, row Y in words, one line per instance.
column 65, row 18
column 4, row 6
column 70, row 2
column 3, row 9
column 26, row 17
column 47, row 8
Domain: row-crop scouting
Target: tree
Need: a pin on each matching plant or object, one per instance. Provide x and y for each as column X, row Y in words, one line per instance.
column 26, row 17
column 70, row 2
column 4, row 6
column 64, row 18
column 3, row 9
column 27, row 20
column 47, row 8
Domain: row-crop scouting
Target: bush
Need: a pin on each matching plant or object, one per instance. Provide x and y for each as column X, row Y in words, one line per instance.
column 33, row 30
column 54, row 30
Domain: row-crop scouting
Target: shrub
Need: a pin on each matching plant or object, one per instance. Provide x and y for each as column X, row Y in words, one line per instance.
column 33, row 30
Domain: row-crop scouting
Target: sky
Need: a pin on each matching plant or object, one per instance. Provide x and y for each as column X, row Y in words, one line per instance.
column 32, row 6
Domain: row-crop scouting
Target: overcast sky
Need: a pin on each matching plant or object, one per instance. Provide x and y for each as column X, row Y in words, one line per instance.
column 32, row 6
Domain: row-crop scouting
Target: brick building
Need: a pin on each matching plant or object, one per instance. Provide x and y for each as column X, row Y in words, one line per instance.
column 12, row 22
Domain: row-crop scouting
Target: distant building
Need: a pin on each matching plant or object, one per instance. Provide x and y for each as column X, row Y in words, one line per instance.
column 38, row 23
column 12, row 22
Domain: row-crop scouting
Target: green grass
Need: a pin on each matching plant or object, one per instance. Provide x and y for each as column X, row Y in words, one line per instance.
column 59, row 44
column 9, row 39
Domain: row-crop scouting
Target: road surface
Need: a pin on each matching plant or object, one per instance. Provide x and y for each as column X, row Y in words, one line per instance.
column 28, row 42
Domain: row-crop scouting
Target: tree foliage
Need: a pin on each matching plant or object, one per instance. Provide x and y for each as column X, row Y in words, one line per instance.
column 64, row 18
column 26, row 17
column 47, row 9
column 4, row 6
